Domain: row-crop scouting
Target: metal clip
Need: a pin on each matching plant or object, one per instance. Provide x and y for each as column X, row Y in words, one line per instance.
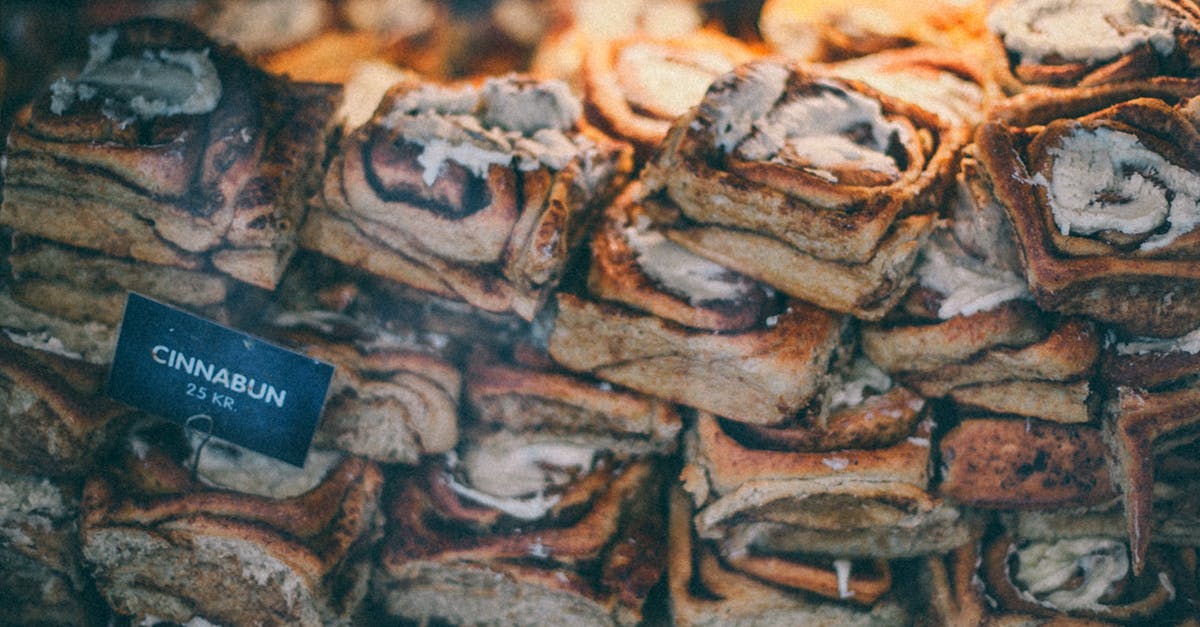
column 189, row 425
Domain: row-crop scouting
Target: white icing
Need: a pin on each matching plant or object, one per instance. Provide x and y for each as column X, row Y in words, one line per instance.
column 842, row 567
column 836, row 463
column 850, row 386
column 734, row 111
column 1045, row 568
column 257, row 26
column 22, row 495
column 513, row 474
column 677, row 80
column 942, row 93
column 809, row 129
column 233, row 467
column 369, row 81
column 1104, row 179
column 503, row 121
column 42, row 341
column 967, row 285
column 396, row 18
column 1081, row 30
column 154, row 84
column 683, row 272
column 1189, row 343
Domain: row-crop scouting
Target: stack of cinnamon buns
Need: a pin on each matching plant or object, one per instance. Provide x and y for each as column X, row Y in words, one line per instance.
column 775, row 313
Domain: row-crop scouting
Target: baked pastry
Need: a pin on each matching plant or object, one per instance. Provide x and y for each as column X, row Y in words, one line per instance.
column 1066, row 563
column 1094, row 182
column 780, row 165
column 256, row 27
column 941, row 80
column 171, row 150
column 55, row 418
column 41, row 569
column 835, row 31
column 392, row 399
column 83, row 285
column 268, row 544
column 1064, row 44
column 1009, row 463
column 571, row 27
column 706, row 590
column 473, row 193
column 521, row 388
column 855, row 485
column 967, row 331
column 525, row 527
column 658, row 319
column 635, row 87
column 1140, row 425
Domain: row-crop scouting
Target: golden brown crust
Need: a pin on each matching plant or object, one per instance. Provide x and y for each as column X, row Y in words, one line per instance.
column 763, row 375
column 1013, row 463
column 221, row 190
column 1145, row 291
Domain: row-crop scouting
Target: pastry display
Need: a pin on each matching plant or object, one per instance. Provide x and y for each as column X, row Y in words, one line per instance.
column 635, row 312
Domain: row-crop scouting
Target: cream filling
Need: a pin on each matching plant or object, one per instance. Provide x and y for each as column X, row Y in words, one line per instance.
column 510, row 473
column 851, row 386
column 1045, row 567
column 683, row 272
column 1081, row 30
column 1101, row 180
column 675, row 81
column 842, row 567
column 945, row 94
column 967, row 285
column 812, row 129
column 1189, row 343
column 734, row 111
column 525, row 122
column 229, row 466
column 258, row 26
column 157, row 83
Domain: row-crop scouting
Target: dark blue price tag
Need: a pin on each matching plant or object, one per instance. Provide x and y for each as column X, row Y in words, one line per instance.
column 175, row 365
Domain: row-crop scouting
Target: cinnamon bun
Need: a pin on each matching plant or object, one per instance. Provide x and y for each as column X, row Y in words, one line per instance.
column 1080, row 43
column 524, row 527
column 1096, row 185
column 267, row 544
column 803, row 166
column 169, row 149
column 658, row 319
column 636, row 86
column 472, row 193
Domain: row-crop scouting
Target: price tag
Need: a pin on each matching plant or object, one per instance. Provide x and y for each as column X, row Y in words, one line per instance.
column 173, row 364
